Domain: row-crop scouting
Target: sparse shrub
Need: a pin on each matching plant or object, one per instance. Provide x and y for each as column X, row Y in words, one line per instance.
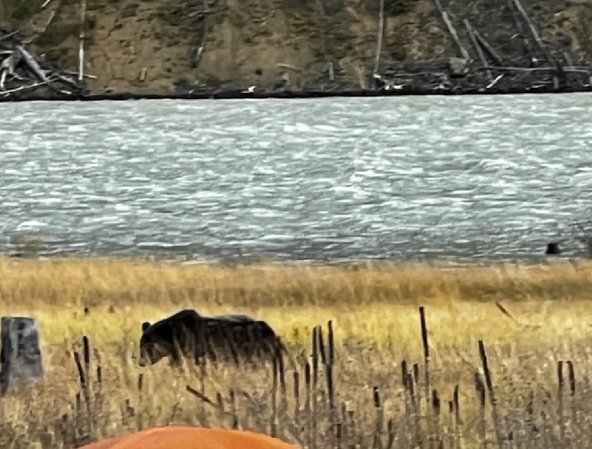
column 22, row 9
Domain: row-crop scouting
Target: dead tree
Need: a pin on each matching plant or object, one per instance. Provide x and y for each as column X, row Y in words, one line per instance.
column 380, row 36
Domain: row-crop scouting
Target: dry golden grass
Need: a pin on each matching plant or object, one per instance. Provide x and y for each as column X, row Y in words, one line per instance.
column 374, row 310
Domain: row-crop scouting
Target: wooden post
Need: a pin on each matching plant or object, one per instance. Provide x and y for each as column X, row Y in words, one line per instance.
column 20, row 353
column 477, row 48
column 81, row 37
column 463, row 51
column 379, row 36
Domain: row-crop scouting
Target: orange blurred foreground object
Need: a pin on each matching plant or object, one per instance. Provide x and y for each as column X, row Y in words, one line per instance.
column 181, row 437
column 104, row 444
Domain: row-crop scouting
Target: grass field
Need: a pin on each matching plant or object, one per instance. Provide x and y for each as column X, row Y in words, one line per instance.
column 532, row 320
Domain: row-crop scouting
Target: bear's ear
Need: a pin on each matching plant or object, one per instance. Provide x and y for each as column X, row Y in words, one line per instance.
column 145, row 325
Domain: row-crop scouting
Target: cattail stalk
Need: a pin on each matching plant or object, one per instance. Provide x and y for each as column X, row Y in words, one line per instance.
column 492, row 397
column 560, row 385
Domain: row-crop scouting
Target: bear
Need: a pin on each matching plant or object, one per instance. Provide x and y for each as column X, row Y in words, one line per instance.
column 225, row 338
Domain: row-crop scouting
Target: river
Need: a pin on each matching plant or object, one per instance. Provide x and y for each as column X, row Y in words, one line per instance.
column 461, row 178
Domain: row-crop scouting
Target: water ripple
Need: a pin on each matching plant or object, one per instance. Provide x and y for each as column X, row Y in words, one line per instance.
column 468, row 177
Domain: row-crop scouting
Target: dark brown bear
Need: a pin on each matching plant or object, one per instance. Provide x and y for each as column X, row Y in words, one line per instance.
column 236, row 338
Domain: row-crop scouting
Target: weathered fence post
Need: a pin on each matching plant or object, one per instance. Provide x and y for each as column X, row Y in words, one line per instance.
column 20, row 355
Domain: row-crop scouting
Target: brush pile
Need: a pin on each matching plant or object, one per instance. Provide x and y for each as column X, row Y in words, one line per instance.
column 23, row 73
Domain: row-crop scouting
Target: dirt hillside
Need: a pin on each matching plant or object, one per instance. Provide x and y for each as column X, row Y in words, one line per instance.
column 161, row 46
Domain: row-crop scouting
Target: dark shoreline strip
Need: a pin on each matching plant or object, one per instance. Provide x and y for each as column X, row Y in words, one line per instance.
column 238, row 94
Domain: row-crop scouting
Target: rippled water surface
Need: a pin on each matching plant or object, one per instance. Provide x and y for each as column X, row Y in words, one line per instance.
column 329, row 179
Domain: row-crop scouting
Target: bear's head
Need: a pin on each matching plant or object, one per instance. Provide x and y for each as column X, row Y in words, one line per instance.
column 156, row 342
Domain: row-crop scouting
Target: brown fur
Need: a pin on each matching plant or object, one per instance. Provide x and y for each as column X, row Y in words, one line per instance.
column 235, row 338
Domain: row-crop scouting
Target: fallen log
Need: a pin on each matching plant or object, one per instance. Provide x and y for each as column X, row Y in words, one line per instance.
column 534, row 33
column 477, row 47
column 560, row 76
column 86, row 75
column 31, row 63
column 66, row 80
column 9, row 64
column 495, row 81
column 488, row 48
column 535, row 69
column 519, row 28
column 9, row 35
column 451, row 30
column 23, row 88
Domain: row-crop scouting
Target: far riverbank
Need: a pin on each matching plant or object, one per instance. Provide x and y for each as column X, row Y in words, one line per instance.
column 228, row 94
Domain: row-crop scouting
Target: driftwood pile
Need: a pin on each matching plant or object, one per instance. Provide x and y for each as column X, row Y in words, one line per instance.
column 457, row 75
column 24, row 73
column 479, row 67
